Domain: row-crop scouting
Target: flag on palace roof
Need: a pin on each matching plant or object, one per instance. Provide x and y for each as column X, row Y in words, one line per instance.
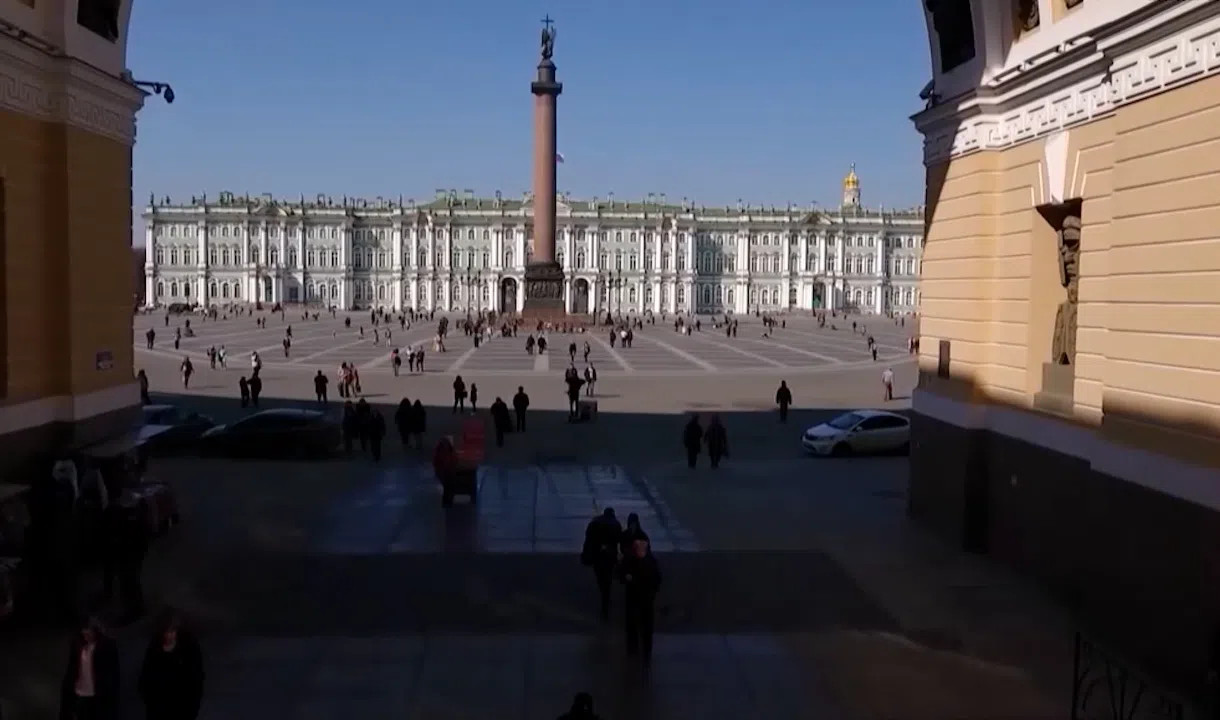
column 558, row 157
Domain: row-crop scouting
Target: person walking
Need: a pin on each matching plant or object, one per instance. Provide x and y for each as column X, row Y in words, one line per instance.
column 600, row 552
column 171, row 679
column 419, row 423
column 521, row 403
column 641, row 576
column 692, row 439
column 90, row 687
column 500, row 420
column 142, row 379
column 717, row 440
column 402, row 422
column 474, row 398
column 783, row 398
column 459, row 394
column 887, row 381
column 319, row 387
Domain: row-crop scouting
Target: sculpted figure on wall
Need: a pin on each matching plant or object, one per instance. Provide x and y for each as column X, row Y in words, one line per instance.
column 1063, row 345
column 1028, row 15
column 954, row 25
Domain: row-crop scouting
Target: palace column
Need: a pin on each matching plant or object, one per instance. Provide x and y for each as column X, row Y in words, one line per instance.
column 544, row 286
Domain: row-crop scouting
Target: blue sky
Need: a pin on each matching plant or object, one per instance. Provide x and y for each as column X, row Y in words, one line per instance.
column 764, row 100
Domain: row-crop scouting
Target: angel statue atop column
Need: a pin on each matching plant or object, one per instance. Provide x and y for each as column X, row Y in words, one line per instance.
column 548, row 40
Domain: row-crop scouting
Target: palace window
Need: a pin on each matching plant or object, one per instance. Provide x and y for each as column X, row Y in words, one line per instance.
column 618, row 261
column 632, row 238
column 334, row 258
column 160, row 289
column 618, row 237
column 601, row 237
column 910, row 266
column 213, row 256
column 381, row 236
column 254, row 255
column 486, row 235
column 580, row 259
column 870, row 265
column 423, row 258
column 508, row 258
column 869, row 297
column 559, row 259
column 681, row 293
column 486, row 256
column 456, row 259
column 681, row 262
column 604, row 263
column 236, row 291
column 173, row 289
column 186, row 289
column 633, row 262
column 273, row 255
column 159, row 255
column 224, row 290
column 631, row 295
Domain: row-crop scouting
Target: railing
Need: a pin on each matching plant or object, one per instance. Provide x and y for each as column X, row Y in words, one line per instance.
column 1106, row 687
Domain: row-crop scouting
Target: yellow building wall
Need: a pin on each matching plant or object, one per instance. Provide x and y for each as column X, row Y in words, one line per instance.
column 67, row 264
column 31, row 178
column 1148, row 335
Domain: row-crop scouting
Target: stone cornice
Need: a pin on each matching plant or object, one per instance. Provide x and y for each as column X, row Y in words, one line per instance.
column 59, row 88
column 1092, row 79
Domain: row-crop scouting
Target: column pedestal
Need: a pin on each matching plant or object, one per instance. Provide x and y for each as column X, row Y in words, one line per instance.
column 544, row 292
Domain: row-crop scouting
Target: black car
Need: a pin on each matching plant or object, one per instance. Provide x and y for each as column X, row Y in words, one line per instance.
column 182, row 427
column 283, row 432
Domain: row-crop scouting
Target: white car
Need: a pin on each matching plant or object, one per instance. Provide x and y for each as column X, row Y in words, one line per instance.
column 859, row 431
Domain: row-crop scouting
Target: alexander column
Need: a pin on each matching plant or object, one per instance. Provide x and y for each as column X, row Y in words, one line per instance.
column 544, row 276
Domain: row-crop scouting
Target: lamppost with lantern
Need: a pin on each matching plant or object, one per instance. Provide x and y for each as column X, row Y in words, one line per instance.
column 471, row 281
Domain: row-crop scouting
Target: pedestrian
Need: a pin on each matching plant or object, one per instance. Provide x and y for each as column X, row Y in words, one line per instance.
column 243, row 387
column 171, row 679
column 600, row 552
column 783, row 398
column 375, row 429
column 692, row 439
column 521, row 403
column 641, row 577
column 887, row 380
column 419, row 423
column 125, row 541
column 459, row 394
column 256, row 387
column 474, row 398
column 142, row 379
column 351, row 426
column 632, row 532
column 717, row 440
column 319, row 387
column 500, row 420
column 90, row 687
column 187, row 371
column 402, row 421
column 574, row 382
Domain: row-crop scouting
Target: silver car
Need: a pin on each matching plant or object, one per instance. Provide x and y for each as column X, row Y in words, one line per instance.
column 859, row 432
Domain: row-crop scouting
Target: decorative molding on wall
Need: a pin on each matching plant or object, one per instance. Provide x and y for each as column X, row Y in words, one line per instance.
column 1004, row 117
column 63, row 89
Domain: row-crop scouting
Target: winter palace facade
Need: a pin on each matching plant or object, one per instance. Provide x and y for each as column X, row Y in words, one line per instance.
column 459, row 253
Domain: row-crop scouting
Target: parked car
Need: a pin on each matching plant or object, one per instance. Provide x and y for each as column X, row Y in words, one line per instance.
column 282, row 432
column 859, row 431
column 182, row 427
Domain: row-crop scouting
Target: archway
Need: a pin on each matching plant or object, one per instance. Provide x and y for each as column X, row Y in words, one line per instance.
column 580, row 297
column 508, row 295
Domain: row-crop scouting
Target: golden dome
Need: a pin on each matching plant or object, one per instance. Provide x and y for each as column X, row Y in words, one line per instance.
column 852, row 181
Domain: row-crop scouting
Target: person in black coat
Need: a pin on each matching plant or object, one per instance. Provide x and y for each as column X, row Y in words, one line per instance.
column 90, row 688
column 521, row 403
column 402, row 421
column 600, row 552
column 641, row 576
column 632, row 532
column 717, row 440
column 500, row 420
column 692, row 440
column 783, row 398
column 171, row 680
column 419, row 423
